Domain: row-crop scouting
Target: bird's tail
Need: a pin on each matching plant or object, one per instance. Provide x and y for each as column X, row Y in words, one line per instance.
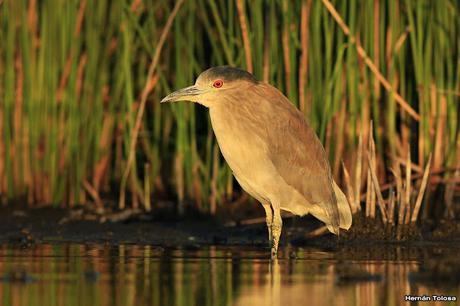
column 345, row 217
column 344, row 207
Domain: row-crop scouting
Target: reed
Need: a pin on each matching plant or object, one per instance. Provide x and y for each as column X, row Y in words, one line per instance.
column 399, row 208
column 75, row 75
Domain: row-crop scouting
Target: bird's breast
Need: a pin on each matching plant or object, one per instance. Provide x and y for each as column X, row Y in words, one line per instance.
column 237, row 140
column 244, row 149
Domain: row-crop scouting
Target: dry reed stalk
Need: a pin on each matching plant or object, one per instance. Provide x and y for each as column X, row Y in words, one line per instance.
column 303, row 67
column 38, row 187
column 179, row 176
column 405, row 137
column 358, row 171
column 327, row 140
column 147, row 191
column 350, row 193
column 401, row 213
column 196, row 186
column 362, row 53
column 93, row 193
column 401, row 40
column 432, row 113
column 376, row 57
column 421, row 147
column 369, row 192
column 375, row 181
column 340, row 138
column 318, row 232
column 391, row 207
column 407, row 189
column 105, row 142
column 421, row 192
column 435, row 178
column 215, row 174
column 439, row 180
column 414, row 167
column 399, row 196
column 136, row 5
column 449, row 92
column 2, row 157
column 244, row 30
column 364, row 87
column 2, row 147
column 266, row 60
column 365, row 128
column 17, row 146
column 61, row 143
column 258, row 220
column 32, row 22
column 369, row 189
column 145, row 92
column 68, row 64
column 71, row 197
column 82, row 197
column 80, row 74
column 286, row 50
column 371, row 157
column 374, row 187
column 399, row 145
column 27, row 165
column 134, row 194
column 388, row 50
column 440, row 134
column 229, row 187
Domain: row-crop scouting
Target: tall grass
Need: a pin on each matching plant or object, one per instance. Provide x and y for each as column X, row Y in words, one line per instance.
column 72, row 74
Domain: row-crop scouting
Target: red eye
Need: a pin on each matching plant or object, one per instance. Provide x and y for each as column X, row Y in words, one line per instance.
column 218, row 83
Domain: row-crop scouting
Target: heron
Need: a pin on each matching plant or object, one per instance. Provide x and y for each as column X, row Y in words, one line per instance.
column 273, row 153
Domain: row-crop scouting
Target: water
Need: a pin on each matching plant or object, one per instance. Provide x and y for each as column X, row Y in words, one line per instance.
column 143, row 275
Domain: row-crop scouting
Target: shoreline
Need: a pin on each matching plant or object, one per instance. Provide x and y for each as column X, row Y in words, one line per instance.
column 26, row 227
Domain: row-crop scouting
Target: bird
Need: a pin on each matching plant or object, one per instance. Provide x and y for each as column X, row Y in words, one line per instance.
column 274, row 154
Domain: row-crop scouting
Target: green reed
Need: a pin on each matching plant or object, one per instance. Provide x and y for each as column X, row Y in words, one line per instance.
column 72, row 72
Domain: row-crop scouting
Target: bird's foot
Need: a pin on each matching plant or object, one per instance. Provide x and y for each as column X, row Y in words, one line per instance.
column 274, row 249
column 274, row 253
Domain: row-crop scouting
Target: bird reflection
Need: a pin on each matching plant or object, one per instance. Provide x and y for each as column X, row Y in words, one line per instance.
column 274, row 279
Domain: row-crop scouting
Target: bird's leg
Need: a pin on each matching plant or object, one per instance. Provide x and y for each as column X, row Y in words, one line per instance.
column 277, row 225
column 269, row 219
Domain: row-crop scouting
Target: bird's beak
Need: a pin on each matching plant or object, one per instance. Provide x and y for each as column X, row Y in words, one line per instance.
column 185, row 94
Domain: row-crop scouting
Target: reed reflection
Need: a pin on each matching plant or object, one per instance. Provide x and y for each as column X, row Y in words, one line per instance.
column 128, row 275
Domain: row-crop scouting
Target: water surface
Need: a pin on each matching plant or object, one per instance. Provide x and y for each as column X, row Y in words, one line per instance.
column 125, row 275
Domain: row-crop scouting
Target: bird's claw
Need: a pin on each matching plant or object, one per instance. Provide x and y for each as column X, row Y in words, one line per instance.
column 273, row 253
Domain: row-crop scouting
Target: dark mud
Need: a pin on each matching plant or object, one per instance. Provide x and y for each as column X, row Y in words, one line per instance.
column 26, row 227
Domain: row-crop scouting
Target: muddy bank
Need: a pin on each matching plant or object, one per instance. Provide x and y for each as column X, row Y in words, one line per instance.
column 52, row 225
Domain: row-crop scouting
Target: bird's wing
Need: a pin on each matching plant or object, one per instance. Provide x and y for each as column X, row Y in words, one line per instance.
column 297, row 153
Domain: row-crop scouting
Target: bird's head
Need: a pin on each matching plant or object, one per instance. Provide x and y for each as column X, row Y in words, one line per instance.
column 213, row 86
